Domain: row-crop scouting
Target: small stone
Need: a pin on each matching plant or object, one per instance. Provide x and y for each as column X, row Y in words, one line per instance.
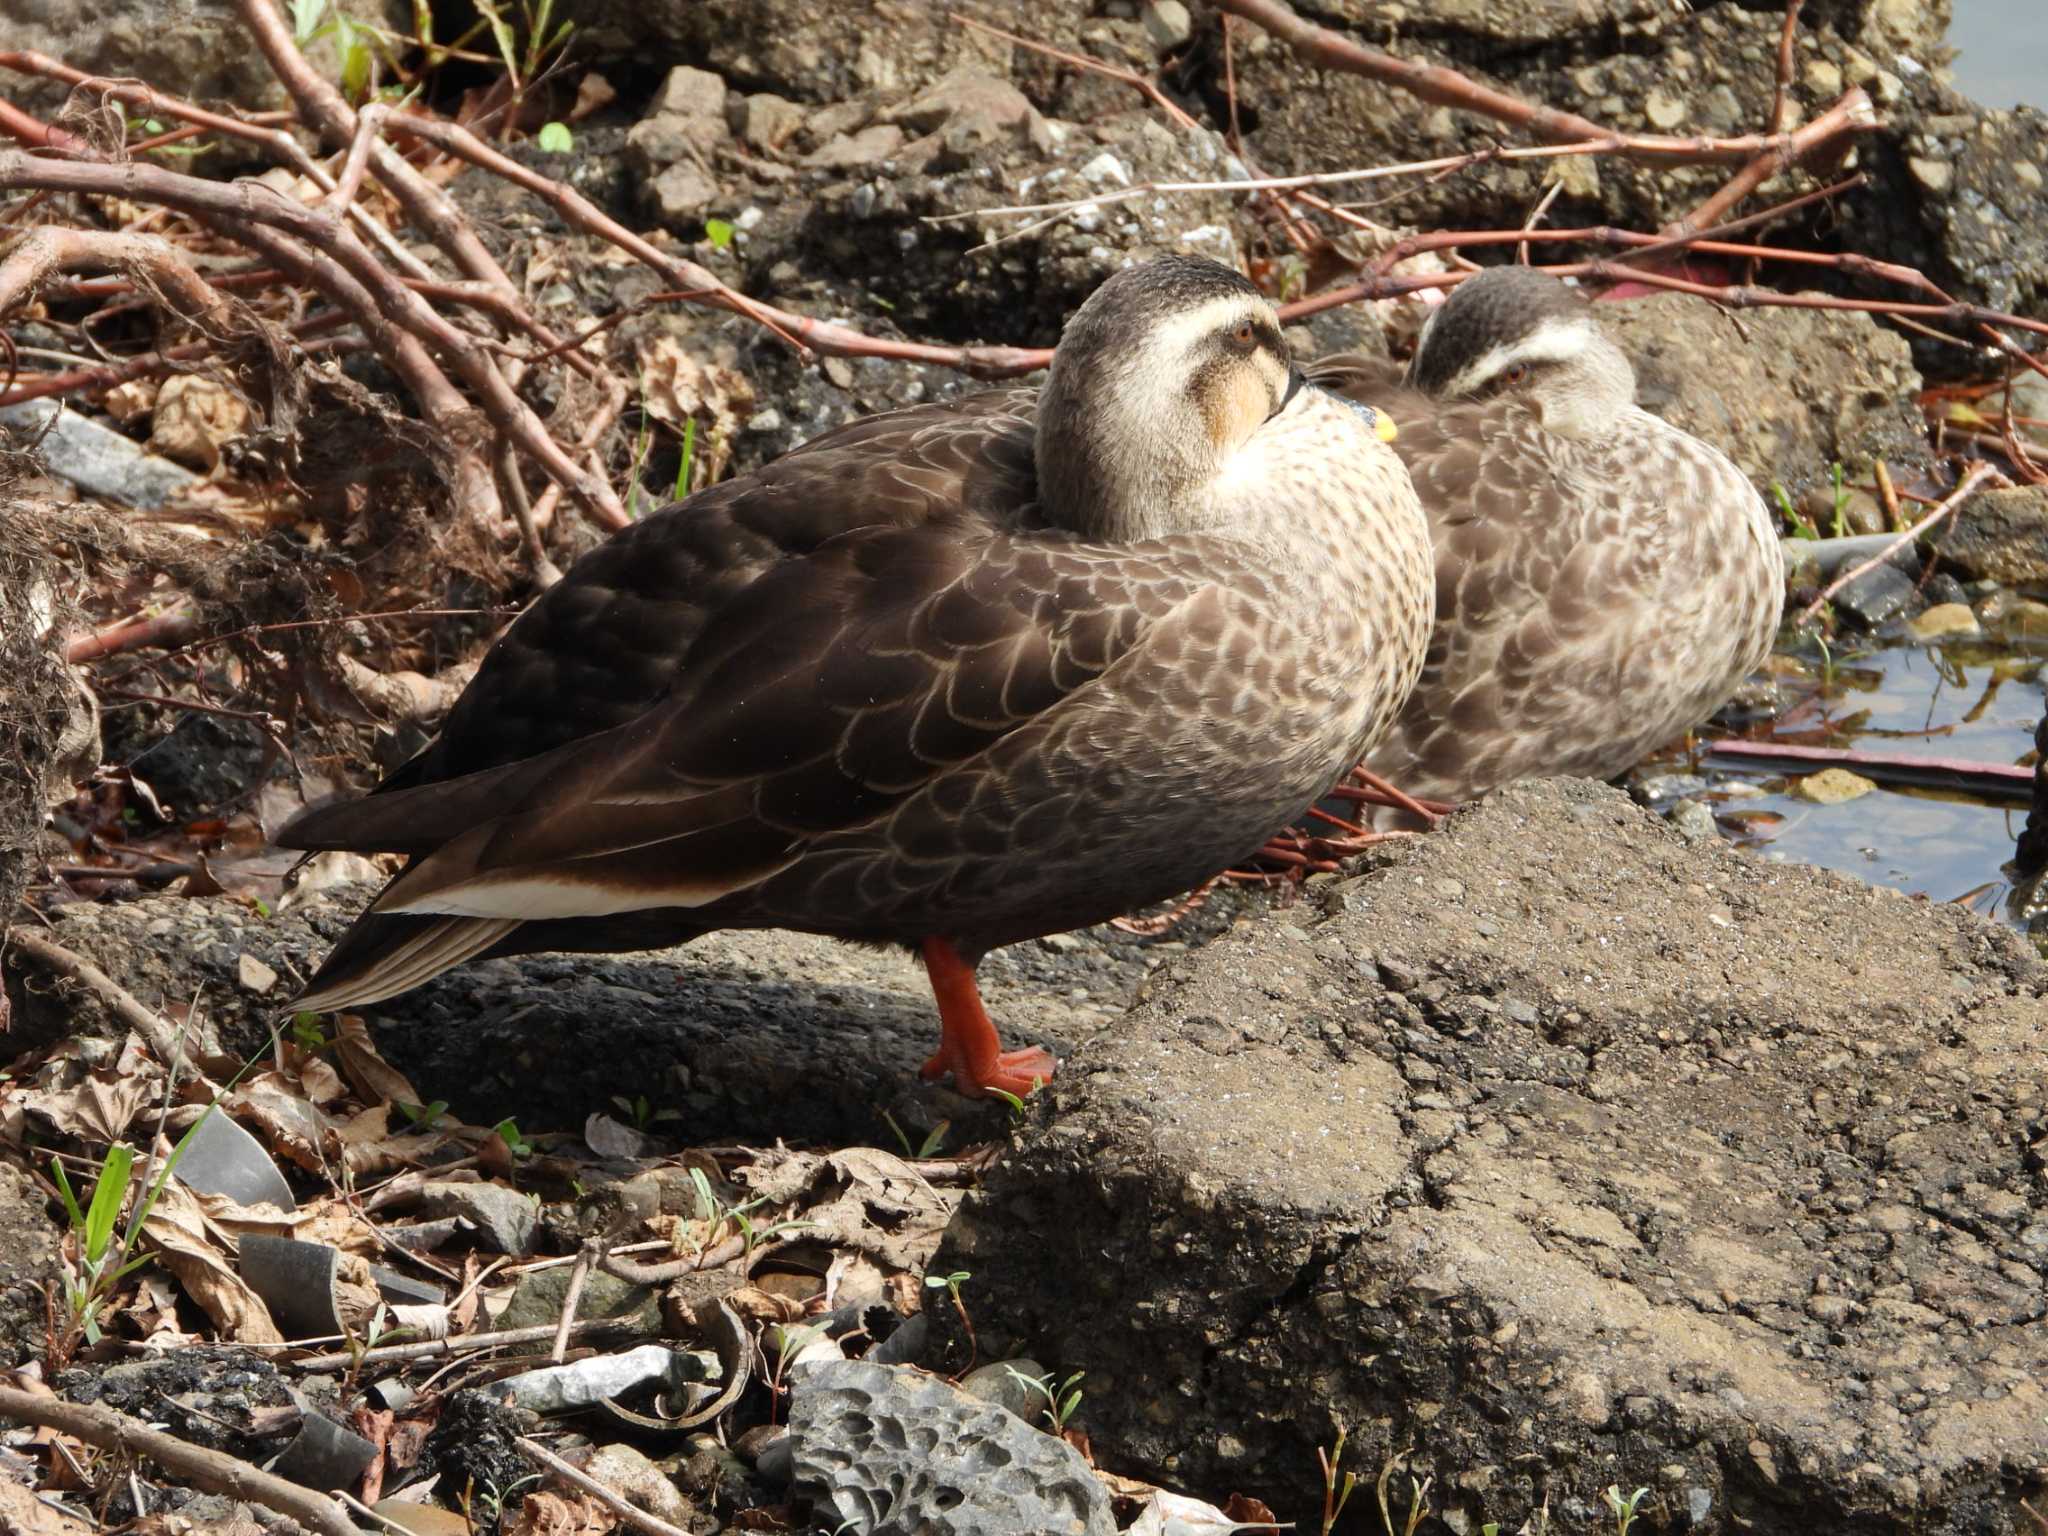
column 1832, row 786
column 877, row 1448
column 506, row 1218
column 254, row 974
column 1000, row 1384
column 1944, row 619
column 1663, row 110
column 1695, row 822
column 2028, row 173
column 1828, row 1309
column 1937, row 176
column 1105, row 170
column 766, row 121
column 683, row 194
column 1822, row 78
column 858, row 151
column 627, row 1471
column 769, row 420
column 1168, row 25
column 692, row 93
column 1878, row 596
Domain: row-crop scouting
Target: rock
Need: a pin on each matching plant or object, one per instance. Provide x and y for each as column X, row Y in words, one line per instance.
column 538, row 1300
column 1794, row 392
column 1832, row 786
column 1999, row 536
column 888, row 1451
column 626, row 1470
column 255, row 975
column 863, row 151
column 28, row 1262
column 2010, row 617
column 1167, row 24
column 766, row 121
column 507, row 1219
column 198, row 48
column 694, row 93
column 1944, row 621
column 1694, row 820
column 965, row 93
column 1733, row 1067
column 746, row 1036
column 683, row 194
column 999, row 1383
column 1878, row 596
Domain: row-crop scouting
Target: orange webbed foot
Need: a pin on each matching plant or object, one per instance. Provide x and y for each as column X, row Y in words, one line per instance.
column 968, row 1046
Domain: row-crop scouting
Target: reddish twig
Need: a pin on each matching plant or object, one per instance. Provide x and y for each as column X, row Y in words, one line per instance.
column 1786, row 38
column 1851, row 115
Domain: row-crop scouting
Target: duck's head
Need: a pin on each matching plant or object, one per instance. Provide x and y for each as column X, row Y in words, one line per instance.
column 1513, row 331
column 1162, row 386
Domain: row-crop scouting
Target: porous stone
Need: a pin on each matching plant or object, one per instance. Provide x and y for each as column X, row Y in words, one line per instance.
column 890, row 1451
column 1714, row 1088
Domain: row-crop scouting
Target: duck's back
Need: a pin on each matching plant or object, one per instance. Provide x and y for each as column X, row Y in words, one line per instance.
column 1595, row 599
column 600, row 647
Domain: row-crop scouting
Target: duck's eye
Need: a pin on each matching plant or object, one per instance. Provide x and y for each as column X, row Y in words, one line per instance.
column 1245, row 334
column 1516, row 373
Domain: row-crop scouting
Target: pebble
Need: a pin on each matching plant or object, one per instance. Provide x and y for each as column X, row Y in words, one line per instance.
column 1695, row 822
column 1944, row 619
column 999, row 1384
column 255, row 975
column 1833, row 786
column 1168, row 24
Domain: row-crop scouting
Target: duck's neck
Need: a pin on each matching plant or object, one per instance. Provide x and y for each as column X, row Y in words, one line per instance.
column 1112, row 470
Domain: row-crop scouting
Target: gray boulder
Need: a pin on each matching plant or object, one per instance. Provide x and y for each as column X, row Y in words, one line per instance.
column 1561, row 1155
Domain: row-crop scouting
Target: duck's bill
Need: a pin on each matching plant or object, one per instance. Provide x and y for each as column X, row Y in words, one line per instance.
column 1382, row 424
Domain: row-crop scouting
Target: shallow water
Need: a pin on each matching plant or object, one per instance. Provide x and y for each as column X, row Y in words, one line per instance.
column 2002, row 51
column 1968, row 700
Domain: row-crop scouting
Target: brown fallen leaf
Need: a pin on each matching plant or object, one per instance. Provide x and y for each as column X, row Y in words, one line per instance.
column 375, row 1080
column 188, row 1249
column 552, row 1514
column 22, row 1513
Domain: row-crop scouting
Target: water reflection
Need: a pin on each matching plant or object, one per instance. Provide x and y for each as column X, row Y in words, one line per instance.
column 1971, row 701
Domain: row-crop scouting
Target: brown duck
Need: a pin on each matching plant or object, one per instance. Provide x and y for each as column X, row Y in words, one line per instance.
column 951, row 677
column 1604, row 580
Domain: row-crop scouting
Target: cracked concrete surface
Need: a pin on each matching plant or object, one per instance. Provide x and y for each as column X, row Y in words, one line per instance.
column 1566, row 1155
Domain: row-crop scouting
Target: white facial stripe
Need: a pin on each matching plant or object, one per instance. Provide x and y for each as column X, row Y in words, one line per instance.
column 1557, row 340
column 1176, row 336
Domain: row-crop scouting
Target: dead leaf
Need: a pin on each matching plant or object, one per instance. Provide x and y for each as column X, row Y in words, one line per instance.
column 611, row 1138
column 552, row 1514
column 375, row 1080
column 677, row 386
column 860, row 1198
column 178, row 1227
column 23, row 1514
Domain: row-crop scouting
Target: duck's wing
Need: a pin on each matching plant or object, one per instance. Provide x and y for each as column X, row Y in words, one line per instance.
column 1359, row 376
column 834, row 688
column 605, row 643
column 1545, row 573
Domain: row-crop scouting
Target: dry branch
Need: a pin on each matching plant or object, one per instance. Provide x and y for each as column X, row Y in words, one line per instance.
column 322, row 250
column 158, row 1032
column 212, row 1471
column 1325, row 49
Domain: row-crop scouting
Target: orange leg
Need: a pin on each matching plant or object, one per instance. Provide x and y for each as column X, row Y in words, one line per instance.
column 968, row 1047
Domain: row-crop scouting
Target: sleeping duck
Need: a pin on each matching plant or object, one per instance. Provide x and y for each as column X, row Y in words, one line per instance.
column 949, row 677
column 1604, row 581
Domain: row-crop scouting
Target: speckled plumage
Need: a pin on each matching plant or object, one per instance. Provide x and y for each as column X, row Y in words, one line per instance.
column 1600, row 590
column 877, row 690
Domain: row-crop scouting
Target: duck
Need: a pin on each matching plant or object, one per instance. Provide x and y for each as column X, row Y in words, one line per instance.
column 949, row 677
column 1604, row 580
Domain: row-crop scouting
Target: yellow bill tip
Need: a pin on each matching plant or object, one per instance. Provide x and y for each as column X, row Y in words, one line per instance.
column 1383, row 427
